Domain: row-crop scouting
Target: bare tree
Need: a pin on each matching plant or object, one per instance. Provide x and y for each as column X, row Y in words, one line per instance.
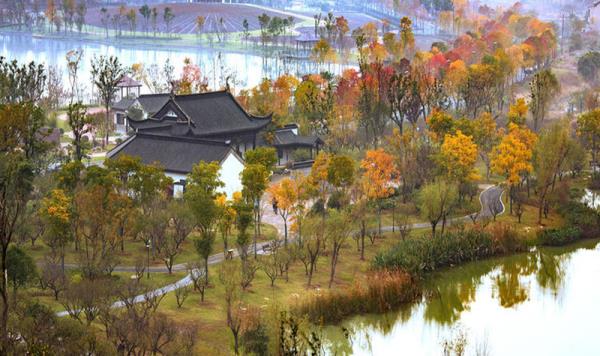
column 181, row 295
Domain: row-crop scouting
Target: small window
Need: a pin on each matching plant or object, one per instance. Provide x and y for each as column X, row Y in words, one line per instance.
column 120, row 119
column 171, row 114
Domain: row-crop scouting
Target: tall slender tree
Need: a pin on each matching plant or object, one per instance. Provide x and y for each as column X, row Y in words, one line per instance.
column 107, row 72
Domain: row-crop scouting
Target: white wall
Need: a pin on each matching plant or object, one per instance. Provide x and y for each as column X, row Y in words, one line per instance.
column 231, row 167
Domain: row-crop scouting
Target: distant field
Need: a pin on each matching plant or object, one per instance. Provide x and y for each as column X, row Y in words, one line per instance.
column 185, row 17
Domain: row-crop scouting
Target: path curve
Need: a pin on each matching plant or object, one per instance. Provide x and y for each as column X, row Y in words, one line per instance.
column 488, row 197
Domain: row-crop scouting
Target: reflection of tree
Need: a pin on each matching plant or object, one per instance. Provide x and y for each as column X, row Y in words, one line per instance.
column 550, row 274
column 510, row 290
column 453, row 294
column 507, row 285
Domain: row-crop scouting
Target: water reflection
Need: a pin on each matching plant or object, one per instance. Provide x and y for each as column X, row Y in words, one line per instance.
column 247, row 69
column 545, row 302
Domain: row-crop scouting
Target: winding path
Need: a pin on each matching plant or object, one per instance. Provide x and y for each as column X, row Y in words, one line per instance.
column 490, row 199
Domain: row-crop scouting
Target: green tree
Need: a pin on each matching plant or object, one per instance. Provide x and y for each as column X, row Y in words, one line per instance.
column 551, row 151
column 337, row 231
column 435, row 201
column 588, row 66
column 265, row 156
column 200, row 195
column 21, row 268
column 544, row 87
column 341, row 172
column 168, row 16
column 145, row 12
column 20, row 148
column 588, row 127
column 255, row 179
column 80, row 124
column 107, row 73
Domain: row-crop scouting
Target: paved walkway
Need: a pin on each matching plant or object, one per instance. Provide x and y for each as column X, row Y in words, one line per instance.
column 489, row 196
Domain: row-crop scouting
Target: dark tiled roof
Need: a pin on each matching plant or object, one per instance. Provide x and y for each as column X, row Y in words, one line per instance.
column 210, row 114
column 217, row 112
column 289, row 138
column 175, row 154
column 123, row 104
column 151, row 103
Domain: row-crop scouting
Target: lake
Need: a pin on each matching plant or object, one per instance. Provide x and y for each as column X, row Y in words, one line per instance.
column 546, row 302
column 247, row 69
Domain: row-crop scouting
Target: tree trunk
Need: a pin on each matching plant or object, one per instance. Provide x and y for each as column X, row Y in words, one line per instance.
column 4, row 295
column 206, row 270
column 334, row 254
column 285, row 232
column 362, row 240
column 107, row 106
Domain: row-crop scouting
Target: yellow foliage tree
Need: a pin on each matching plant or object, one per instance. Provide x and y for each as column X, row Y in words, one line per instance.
column 517, row 112
column 512, row 157
column 457, row 157
column 285, row 194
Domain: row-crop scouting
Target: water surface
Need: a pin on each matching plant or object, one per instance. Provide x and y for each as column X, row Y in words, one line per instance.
column 546, row 302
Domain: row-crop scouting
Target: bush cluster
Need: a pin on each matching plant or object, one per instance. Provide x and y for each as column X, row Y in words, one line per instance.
column 381, row 292
column 584, row 218
column 559, row 236
column 419, row 256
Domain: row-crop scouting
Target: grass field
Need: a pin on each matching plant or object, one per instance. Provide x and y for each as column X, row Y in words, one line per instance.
column 134, row 250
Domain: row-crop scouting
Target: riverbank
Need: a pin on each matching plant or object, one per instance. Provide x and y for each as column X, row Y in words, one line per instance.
column 418, row 257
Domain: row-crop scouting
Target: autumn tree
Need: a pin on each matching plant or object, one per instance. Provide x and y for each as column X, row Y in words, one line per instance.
column 226, row 219
column 191, row 81
column 97, row 206
column 486, row 135
column 407, row 38
column 405, row 98
column 511, row 158
column 56, row 213
column 517, row 112
column 378, row 174
column 414, row 156
column 544, row 87
column 440, row 124
column 317, row 178
column 458, row 154
column 314, row 98
column 284, row 193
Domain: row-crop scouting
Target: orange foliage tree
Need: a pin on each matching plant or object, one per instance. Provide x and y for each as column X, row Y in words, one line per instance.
column 379, row 169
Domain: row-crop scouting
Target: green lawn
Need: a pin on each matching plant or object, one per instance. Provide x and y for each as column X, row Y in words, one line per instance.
column 134, row 250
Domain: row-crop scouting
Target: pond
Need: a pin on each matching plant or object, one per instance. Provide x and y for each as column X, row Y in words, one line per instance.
column 546, row 302
column 246, row 69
